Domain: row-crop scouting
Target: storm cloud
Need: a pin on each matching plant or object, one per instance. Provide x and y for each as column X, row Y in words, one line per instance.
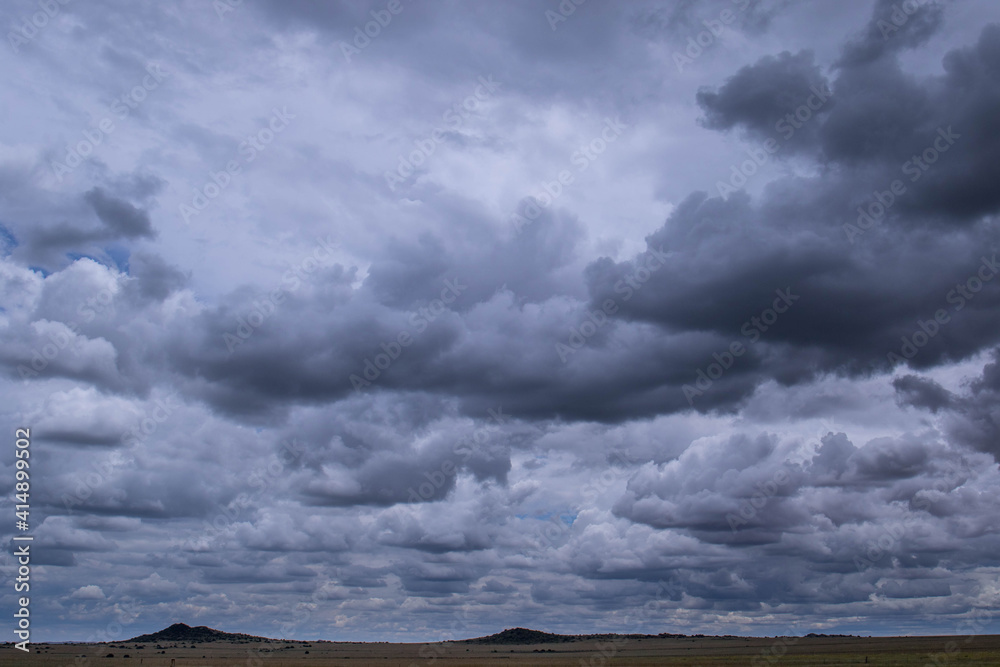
column 420, row 322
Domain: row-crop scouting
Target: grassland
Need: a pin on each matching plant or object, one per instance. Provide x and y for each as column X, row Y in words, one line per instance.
column 674, row 651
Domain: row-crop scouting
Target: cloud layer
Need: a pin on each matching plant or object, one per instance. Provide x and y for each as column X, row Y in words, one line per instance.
column 419, row 327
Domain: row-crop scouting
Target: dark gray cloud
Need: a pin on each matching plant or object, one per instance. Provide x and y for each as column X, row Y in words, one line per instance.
column 796, row 236
column 121, row 218
column 155, row 278
column 922, row 393
column 763, row 99
column 51, row 228
column 977, row 422
column 893, row 27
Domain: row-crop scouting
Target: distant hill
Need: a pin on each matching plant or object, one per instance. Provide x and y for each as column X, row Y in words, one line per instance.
column 526, row 636
column 179, row 632
column 185, row 634
column 521, row 636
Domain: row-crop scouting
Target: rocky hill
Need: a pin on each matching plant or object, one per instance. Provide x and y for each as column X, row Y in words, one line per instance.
column 179, row 632
column 521, row 636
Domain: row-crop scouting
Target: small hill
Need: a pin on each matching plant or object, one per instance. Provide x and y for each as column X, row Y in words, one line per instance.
column 522, row 636
column 526, row 636
column 179, row 632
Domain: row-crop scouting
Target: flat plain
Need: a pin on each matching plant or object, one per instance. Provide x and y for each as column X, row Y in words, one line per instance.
column 679, row 651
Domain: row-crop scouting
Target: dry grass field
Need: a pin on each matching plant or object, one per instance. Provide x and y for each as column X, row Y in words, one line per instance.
column 686, row 652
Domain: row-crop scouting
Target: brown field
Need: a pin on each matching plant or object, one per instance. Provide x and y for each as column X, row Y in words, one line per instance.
column 689, row 652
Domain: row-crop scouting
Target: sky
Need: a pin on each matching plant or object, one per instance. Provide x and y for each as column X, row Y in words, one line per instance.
column 402, row 320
